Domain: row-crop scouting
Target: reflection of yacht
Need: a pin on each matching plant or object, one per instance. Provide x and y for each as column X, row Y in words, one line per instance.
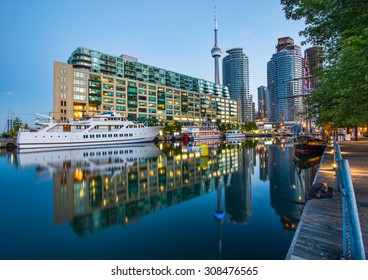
column 195, row 146
column 109, row 128
column 107, row 159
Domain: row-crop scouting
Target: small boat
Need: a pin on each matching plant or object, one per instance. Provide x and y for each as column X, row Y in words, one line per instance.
column 108, row 128
column 310, row 145
column 204, row 132
column 235, row 134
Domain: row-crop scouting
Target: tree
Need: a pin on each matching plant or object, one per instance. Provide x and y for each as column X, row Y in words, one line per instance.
column 249, row 126
column 17, row 123
column 341, row 28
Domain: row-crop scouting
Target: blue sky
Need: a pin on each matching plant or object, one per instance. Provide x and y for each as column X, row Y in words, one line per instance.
column 175, row 35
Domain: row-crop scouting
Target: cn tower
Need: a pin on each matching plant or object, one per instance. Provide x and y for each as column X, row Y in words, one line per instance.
column 216, row 54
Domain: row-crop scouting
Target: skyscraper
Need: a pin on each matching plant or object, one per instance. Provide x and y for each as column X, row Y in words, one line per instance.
column 216, row 54
column 235, row 73
column 262, row 102
column 312, row 62
column 285, row 82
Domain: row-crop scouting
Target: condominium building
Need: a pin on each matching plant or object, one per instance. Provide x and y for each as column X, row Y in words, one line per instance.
column 92, row 82
column 262, row 102
column 235, row 72
column 285, row 82
column 313, row 61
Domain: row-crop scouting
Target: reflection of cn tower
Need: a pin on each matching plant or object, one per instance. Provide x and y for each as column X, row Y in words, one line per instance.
column 219, row 217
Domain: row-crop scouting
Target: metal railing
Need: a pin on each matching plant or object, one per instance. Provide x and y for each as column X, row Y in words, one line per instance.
column 353, row 247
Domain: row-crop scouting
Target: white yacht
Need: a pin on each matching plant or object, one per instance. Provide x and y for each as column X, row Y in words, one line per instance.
column 205, row 132
column 108, row 128
column 234, row 135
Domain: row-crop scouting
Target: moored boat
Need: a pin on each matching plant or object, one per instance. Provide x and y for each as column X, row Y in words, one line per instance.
column 235, row 134
column 205, row 132
column 310, row 145
column 108, row 128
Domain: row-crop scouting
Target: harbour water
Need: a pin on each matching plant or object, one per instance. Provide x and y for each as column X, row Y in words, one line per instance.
column 152, row 201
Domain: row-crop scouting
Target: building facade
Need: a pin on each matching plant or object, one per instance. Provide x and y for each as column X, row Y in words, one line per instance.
column 285, row 83
column 262, row 102
column 313, row 61
column 235, row 72
column 92, row 82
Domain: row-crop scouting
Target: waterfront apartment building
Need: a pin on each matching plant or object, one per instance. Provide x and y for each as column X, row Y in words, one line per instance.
column 235, row 72
column 285, row 83
column 92, row 82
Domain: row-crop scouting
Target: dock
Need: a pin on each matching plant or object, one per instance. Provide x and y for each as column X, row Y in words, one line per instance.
column 319, row 233
column 7, row 143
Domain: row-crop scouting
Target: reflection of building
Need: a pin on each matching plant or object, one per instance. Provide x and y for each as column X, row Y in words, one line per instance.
column 262, row 151
column 238, row 195
column 92, row 81
column 98, row 188
column 286, row 190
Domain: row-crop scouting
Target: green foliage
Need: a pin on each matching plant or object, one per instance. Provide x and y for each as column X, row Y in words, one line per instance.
column 223, row 127
column 171, row 127
column 341, row 28
column 249, row 126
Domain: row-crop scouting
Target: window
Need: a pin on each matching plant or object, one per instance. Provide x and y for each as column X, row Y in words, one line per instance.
column 120, row 108
column 108, row 86
column 80, row 82
column 79, row 89
column 79, row 74
column 79, row 97
column 63, row 71
column 108, row 100
column 120, row 88
column 63, row 87
column 108, row 80
column 94, row 77
column 120, row 82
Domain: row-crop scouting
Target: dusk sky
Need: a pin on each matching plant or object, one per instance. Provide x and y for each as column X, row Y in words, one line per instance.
column 174, row 35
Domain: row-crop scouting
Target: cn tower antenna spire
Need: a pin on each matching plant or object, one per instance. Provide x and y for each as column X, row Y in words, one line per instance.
column 216, row 53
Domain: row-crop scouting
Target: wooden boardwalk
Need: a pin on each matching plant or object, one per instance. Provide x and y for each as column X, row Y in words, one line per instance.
column 319, row 233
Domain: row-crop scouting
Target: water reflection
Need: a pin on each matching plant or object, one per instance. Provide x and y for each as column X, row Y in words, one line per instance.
column 95, row 189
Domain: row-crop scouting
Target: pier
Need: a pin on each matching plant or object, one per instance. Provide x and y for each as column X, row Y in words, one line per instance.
column 319, row 235
column 8, row 143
